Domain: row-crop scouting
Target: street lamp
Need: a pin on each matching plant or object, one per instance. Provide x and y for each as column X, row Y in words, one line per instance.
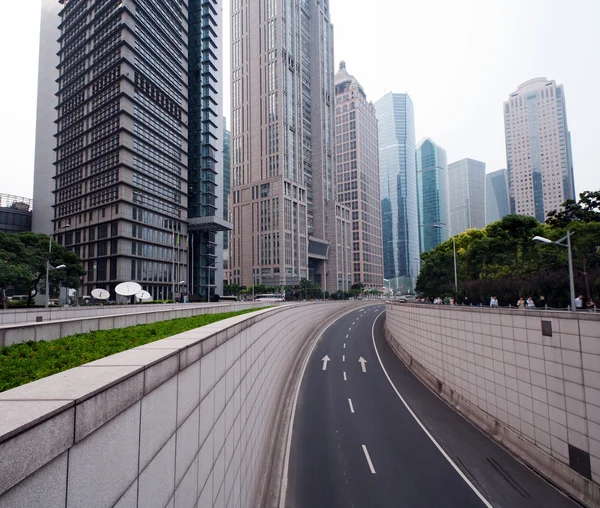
column 541, row 239
column 449, row 231
column 48, row 266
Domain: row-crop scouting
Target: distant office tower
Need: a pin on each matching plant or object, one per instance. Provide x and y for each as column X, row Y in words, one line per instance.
column 466, row 194
column 496, row 196
column 432, row 191
column 358, row 176
column 538, row 149
column 138, row 141
column 45, row 142
column 288, row 224
column 226, row 186
column 398, row 175
column 15, row 214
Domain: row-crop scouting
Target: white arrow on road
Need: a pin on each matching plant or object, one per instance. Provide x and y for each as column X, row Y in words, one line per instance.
column 363, row 362
column 325, row 360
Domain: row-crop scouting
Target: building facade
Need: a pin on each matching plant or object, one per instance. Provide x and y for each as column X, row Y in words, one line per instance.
column 358, row 177
column 538, row 149
column 496, row 196
column 287, row 223
column 138, row 146
column 398, row 189
column 15, row 214
column 432, row 192
column 466, row 195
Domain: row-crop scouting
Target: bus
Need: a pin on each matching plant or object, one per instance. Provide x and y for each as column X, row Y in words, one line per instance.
column 270, row 297
column 228, row 298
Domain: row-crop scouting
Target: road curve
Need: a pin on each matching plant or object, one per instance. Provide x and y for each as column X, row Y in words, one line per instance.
column 356, row 444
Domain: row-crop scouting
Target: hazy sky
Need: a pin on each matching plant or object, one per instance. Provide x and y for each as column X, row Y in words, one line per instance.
column 459, row 60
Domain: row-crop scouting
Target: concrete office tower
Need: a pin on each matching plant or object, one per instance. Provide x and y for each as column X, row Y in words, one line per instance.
column 45, row 129
column 287, row 222
column 538, row 149
column 398, row 176
column 432, row 192
column 358, row 176
column 127, row 106
column 496, row 196
column 466, row 193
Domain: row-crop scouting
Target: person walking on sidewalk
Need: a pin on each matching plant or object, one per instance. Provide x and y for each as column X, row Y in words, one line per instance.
column 579, row 303
column 530, row 303
column 521, row 303
column 494, row 302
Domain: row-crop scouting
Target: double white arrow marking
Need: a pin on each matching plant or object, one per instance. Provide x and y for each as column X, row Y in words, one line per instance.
column 325, row 360
column 363, row 363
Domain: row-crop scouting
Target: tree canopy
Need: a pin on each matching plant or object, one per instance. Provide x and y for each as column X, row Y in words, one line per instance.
column 23, row 263
column 502, row 260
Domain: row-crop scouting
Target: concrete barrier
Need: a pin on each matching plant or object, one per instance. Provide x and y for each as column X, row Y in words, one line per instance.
column 182, row 422
column 529, row 379
column 37, row 315
column 104, row 320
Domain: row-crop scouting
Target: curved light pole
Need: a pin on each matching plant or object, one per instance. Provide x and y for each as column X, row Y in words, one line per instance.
column 541, row 239
column 48, row 266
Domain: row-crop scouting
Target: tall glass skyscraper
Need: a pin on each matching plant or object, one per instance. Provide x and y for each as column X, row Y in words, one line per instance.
column 466, row 194
column 398, row 174
column 496, row 196
column 432, row 188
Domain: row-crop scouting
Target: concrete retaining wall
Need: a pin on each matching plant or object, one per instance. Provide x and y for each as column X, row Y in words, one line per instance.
column 134, row 315
column 34, row 315
column 530, row 379
column 182, row 422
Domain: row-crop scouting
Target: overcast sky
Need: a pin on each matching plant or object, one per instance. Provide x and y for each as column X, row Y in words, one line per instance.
column 459, row 60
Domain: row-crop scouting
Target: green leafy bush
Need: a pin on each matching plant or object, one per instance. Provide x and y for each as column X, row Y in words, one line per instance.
column 26, row 362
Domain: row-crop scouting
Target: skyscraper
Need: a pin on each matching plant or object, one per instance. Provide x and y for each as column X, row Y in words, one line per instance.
column 358, row 176
column 432, row 189
column 138, row 139
column 398, row 178
column 226, row 185
column 287, row 222
column 496, row 196
column 466, row 194
column 538, row 149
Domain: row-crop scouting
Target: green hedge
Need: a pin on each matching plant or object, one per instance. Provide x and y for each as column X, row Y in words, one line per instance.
column 28, row 361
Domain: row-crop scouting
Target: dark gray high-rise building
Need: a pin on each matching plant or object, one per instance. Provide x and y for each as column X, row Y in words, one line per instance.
column 496, row 196
column 398, row 175
column 138, row 141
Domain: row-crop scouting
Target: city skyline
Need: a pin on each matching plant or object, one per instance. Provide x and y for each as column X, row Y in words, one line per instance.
column 479, row 131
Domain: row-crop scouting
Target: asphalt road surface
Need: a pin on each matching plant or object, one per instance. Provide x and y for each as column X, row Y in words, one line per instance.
column 356, row 444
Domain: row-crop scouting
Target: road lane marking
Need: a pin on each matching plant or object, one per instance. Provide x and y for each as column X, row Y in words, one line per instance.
column 345, row 378
column 288, row 444
column 346, row 335
column 351, row 406
column 325, row 360
column 427, row 433
column 368, row 459
column 343, row 358
column 344, row 345
column 350, row 329
column 362, row 362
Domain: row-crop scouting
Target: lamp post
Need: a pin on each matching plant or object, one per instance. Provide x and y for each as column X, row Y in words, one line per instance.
column 541, row 239
column 48, row 266
column 449, row 231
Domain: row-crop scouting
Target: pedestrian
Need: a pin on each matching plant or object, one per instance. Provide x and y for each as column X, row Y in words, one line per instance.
column 521, row 303
column 494, row 302
column 579, row 302
column 530, row 303
column 591, row 305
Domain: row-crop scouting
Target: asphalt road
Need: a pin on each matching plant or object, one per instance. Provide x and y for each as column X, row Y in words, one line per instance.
column 355, row 443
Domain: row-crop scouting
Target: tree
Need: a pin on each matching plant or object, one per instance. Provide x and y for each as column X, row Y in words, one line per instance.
column 25, row 256
column 587, row 209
